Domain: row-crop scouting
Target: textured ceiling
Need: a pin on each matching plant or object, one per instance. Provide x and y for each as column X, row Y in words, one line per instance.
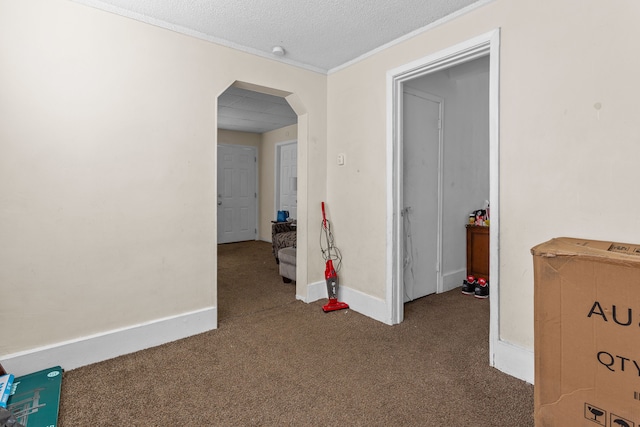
column 248, row 111
column 317, row 35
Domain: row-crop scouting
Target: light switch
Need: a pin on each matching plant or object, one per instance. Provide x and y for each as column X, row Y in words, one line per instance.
column 341, row 159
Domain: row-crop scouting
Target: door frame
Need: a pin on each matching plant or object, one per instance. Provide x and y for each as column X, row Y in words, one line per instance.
column 276, row 178
column 483, row 45
column 439, row 220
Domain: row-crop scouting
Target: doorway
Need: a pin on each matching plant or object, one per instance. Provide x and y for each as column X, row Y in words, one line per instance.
column 444, row 180
column 244, row 112
column 486, row 45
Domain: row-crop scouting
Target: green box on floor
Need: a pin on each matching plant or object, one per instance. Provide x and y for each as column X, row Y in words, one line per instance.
column 35, row 398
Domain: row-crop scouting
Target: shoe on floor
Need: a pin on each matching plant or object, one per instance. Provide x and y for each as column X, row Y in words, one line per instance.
column 469, row 285
column 482, row 290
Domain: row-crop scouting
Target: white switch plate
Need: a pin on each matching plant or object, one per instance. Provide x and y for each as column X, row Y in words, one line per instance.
column 341, row 159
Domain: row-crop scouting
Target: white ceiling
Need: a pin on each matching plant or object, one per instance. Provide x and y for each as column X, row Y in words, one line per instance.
column 320, row 36
column 247, row 111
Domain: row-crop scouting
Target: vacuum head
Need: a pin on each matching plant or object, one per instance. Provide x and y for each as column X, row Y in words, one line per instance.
column 334, row 305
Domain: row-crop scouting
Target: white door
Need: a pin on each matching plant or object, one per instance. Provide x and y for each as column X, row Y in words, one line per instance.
column 287, row 180
column 421, row 146
column 237, row 197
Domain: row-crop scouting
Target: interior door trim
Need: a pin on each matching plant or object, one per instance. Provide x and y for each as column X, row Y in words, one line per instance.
column 482, row 45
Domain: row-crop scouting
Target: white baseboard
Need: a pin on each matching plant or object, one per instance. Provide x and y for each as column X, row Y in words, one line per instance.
column 358, row 301
column 453, row 279
column 315, row 291
column 107, row 345
column 515, row 361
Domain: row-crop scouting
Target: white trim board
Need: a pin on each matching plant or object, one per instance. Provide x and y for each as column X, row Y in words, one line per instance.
column 360, row 302
column 315, row 291
column 515, row 361
column 107, row 345
column 452, row 279
column 484, row 45
column 487, row 44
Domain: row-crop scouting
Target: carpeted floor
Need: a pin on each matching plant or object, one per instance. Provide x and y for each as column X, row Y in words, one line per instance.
column 276, row 361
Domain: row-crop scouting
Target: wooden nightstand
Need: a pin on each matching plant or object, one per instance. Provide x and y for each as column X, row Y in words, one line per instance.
column 478, row 251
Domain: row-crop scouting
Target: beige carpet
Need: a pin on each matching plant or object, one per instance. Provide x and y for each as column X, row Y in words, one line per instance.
column 277, row 361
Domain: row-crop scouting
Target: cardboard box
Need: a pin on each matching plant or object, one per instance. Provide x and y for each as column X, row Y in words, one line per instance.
column 587, row 333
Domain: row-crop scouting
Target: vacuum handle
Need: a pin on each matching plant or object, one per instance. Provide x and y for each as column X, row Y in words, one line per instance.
column 324, row 217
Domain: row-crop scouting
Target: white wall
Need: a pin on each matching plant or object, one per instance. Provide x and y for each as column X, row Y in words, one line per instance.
column 568, row 139
column 107, row 171
column 232, row 137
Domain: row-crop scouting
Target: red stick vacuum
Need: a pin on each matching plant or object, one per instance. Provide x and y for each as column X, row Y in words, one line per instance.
column 330, row 274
